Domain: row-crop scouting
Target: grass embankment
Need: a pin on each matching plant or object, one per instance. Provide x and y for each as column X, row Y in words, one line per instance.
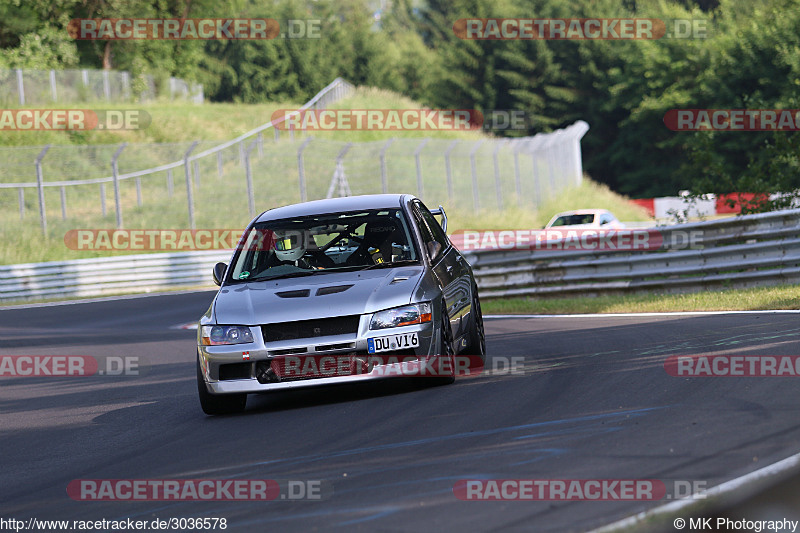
column 221, row 200
column 762, row 298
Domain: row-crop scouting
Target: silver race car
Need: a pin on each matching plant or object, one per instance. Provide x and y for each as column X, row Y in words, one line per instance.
column 335, row 291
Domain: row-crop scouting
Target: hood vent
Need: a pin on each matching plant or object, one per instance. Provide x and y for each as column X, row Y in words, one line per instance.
column 294, row 294
column 332, row 290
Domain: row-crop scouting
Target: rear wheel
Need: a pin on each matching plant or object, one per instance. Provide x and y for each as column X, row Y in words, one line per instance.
column 477, row 335
column 218, row 404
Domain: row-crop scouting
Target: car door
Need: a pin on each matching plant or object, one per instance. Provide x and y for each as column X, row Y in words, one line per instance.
column 448, row 267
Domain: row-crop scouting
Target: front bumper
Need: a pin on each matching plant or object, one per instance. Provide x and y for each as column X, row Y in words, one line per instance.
column 236, row 369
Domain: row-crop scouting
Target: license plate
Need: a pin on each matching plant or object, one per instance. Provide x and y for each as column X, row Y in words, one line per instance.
column 392, row 342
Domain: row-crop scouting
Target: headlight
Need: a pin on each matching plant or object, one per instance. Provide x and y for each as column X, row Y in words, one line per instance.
column 216, row 335
column 401, row 316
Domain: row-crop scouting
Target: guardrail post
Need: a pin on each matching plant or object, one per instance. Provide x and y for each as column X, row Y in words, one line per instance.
column 497, row 188
column 103, row 198
column 577, row 131
column 517, row 177
column 63, row 203
column 419, row 166
column 260, row 144
column 241, row 152
column 40, row 187
column 301, row 171
column 448, row 169
column 251, row 200
column 138, row 191
column 21, row 203
column 475, row 199
column 115, row 174
column 188, row 174
column 384, row 178
column 53, row 92
column 551, row 163
column 277, row 133
column 533, row 147
column 339, row 178
column 196, row 169
column 20, row 87
column 106, row 86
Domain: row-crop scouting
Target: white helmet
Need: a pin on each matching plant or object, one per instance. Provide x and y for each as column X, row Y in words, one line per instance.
column 289, row 245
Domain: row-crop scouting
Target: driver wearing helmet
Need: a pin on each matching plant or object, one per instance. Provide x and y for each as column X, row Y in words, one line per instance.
column 290, row 248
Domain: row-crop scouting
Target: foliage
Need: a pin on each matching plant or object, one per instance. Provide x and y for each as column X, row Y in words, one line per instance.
column 750, row 58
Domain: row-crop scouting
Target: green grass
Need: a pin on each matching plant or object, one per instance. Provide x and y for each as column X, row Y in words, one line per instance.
column 171, row 122
column 589, row 194
column 762, row 298
column 221, row 201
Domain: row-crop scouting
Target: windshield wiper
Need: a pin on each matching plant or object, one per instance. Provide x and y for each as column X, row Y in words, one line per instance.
column 391, row 264
column 283, row 276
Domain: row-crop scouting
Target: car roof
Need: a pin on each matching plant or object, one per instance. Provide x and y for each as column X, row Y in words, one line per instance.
column 336, row 205
column 583, row 212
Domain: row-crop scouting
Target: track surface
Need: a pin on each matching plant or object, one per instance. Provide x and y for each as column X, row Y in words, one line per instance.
column 594, row 403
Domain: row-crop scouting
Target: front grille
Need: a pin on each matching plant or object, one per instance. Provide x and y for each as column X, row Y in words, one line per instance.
column 306, row 329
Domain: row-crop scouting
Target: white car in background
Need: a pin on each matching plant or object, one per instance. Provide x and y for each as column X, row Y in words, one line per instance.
column 585, row 218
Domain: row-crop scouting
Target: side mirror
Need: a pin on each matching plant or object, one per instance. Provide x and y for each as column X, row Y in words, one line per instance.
column 433, row 249
column 219, row 272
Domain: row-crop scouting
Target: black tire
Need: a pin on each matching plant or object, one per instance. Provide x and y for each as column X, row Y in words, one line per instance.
column 446, row 347
column 218, row 404
column 477, row 335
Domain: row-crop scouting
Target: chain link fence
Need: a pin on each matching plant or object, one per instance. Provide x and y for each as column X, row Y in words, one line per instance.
column 207, row 184
column 45, row 87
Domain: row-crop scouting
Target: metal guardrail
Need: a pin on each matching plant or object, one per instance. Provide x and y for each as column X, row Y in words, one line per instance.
column 738, row 252
column 108, row 275
column 746, row 251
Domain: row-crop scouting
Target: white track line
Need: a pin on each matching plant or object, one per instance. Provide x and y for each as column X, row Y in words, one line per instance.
column 719, row 490
column 100, row 299
column 666, row 313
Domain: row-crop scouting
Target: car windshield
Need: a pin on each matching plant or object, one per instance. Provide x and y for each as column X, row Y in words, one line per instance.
column 322, row 243
column 574, row 220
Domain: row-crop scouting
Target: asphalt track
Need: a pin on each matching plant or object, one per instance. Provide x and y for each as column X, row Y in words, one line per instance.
column 593, row 402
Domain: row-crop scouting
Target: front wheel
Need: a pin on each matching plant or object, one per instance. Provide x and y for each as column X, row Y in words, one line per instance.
column 218, row 404
column 446, row 350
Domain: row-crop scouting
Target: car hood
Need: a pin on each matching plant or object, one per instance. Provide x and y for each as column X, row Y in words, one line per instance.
column 340, row 294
